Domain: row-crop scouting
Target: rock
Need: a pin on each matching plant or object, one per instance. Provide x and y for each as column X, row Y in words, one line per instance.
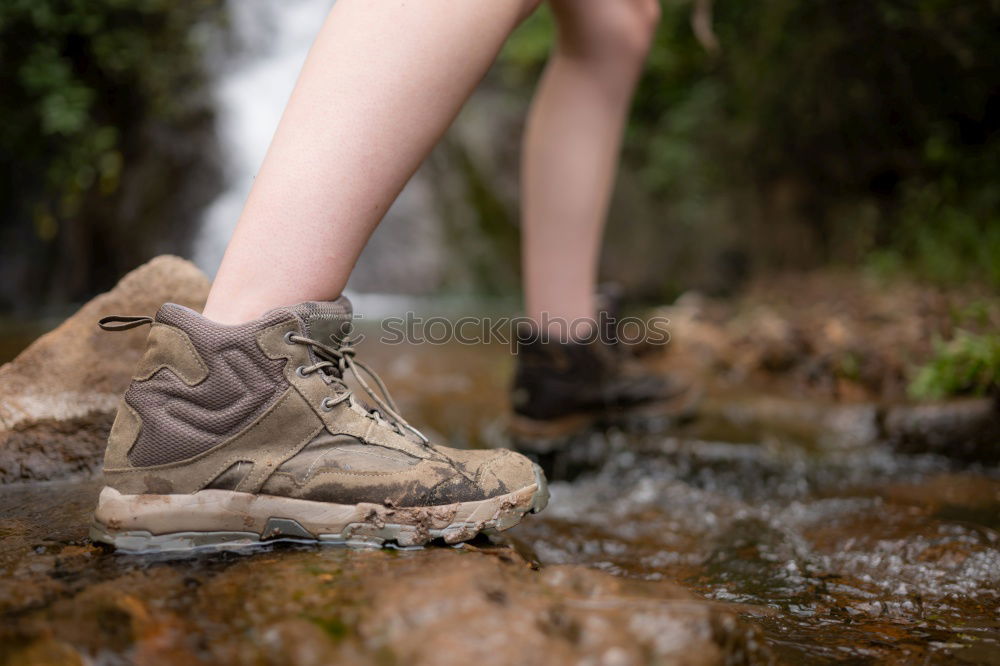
column 491, row 610
column 818, row 424
column 66, row 600
column 962, row 428
column 58, row 397
column 437, row 606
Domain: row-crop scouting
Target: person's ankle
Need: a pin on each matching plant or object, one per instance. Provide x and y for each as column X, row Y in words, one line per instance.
column 562, row 330
column 235, row 311
column 227, row 316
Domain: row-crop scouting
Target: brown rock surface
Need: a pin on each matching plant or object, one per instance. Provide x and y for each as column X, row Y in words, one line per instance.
column 57, row 398
column 964, row 428
column 829, row 335
column 63, row 600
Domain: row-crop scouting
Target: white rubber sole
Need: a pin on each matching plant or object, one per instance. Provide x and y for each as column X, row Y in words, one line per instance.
column 226, row 518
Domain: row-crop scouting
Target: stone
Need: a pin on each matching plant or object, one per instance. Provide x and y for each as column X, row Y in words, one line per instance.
column 58, row 397
column 65, row 600
column 821, row 425
column 967, row 429
column 475, row 609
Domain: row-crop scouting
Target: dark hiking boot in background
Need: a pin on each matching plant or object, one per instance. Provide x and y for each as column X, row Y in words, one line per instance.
column 565, row 393
column 562, row 388
column 243, row 434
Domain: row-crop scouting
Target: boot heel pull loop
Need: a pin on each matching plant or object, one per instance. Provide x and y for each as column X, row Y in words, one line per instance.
column 122, row 322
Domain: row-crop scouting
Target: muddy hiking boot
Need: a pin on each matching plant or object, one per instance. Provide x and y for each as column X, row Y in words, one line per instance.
column 250, row 433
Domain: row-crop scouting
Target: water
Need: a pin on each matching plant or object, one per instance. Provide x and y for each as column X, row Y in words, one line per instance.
column 860, row 556
column 853, row 555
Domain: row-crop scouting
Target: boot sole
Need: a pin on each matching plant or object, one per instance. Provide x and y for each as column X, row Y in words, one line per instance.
column 230, row 519
column 523, row 426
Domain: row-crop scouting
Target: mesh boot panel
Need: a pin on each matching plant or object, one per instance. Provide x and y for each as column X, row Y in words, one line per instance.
column 180, row 421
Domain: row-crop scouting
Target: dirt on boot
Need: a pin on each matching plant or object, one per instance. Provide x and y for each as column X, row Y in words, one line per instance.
column 243, row 434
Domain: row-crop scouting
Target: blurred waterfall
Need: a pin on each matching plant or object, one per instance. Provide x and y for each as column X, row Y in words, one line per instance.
column 251, row 92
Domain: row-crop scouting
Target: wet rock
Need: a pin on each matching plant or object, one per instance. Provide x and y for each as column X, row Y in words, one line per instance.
column 966, row 429
column 960, row 428
column 58, row 397
column 435, row 606
column 565, row 614
column 64, row 600
column 814, row 424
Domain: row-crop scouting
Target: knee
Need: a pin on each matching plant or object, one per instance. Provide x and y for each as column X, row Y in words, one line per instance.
column 612, row 30
column 632, row 31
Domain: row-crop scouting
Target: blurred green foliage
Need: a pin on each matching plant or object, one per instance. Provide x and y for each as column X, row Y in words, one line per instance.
column 84, row 86
column 860, row 131
column 967, row 360
column 968, row 364
column 869, row 125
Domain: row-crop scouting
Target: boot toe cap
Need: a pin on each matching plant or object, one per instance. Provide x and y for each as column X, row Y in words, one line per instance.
column 509, row 470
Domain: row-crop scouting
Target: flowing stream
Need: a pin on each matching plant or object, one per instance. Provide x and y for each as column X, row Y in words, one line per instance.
column 863, row 555
column 860, row 556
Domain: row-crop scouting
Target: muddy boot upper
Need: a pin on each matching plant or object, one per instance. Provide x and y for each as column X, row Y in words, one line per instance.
column 264, row 407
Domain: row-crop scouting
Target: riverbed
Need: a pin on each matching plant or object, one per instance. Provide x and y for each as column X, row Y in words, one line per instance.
column 855, row 555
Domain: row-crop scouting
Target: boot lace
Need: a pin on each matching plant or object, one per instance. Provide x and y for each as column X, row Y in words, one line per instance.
column 335, row 362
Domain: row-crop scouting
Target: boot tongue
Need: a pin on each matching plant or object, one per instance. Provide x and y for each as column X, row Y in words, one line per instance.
column 328, row 322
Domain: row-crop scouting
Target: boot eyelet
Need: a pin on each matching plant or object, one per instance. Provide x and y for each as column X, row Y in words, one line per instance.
column 327, row 405
column 288, row 338
column 301, row 371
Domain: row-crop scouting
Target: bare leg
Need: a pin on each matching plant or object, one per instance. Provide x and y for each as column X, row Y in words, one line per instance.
column 571, row 148
column 383, row 81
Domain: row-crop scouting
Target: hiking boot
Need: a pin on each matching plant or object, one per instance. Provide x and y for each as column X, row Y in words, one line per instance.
column 244, row 434
column 564, row 388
